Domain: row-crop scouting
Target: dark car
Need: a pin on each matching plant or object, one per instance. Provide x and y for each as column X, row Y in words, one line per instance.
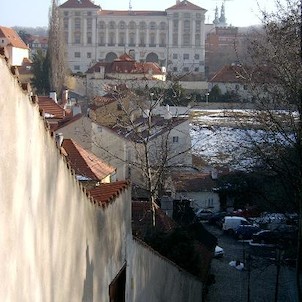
column 285, row 236
column 203, row 214
column 216, row 218
column 245, row 232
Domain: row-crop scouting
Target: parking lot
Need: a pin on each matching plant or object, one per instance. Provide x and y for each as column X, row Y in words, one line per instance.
column 258, row 280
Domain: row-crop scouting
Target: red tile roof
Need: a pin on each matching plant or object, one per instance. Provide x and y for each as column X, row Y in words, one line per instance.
column 142, row 219
column 79, row 4
column 13, row 38
column 229, row 74
column 126, row 64
column 26, row 67
column 236, row 73
column 106, row 193
column 185, row 5
column 131, row 13
column 49, row 106
column 85, row 163
column 159, row 124
column 193, row 182
column 68, row 120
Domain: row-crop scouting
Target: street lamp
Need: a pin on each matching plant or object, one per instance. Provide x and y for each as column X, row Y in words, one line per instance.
column 207, row 97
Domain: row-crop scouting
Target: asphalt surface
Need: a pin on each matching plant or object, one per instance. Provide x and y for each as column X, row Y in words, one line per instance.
column 258, row 281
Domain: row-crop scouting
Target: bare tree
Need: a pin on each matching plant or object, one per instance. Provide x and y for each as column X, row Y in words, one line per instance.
column 56, row 50
column 155, row 138
column 275, row 81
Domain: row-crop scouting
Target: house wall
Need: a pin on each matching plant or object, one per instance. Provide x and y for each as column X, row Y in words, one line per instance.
column 179, row 286
column 55, row 244
column 203, row 200
column 232, row 87
column 101, row 141
column 17, row 55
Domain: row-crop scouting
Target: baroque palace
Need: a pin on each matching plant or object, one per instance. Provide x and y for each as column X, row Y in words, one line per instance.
column 174, row 38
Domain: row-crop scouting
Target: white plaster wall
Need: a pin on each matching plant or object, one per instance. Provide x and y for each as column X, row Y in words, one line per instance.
column 101, row 141
column 169, row 282
column 202, row 199
column 55, row 244
column 17, row 55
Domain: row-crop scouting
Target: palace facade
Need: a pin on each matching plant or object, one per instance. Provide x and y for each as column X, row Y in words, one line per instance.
column 174, row 38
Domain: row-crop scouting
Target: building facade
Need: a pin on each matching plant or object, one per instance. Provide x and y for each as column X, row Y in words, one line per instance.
column 174, row 38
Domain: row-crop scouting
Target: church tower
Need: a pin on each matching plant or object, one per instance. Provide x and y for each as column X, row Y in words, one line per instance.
column 222, row 19
column 216, row 20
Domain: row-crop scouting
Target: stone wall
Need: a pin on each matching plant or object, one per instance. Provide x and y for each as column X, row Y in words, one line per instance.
column 56, row 245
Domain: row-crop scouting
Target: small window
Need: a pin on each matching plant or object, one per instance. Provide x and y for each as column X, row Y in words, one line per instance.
column 196, row 56
column 76, row 67
column 175, row 139
column 77, row 54
column 89, row 55
column 175, row 69
column 175, row 56
column 186, row 69
column 186, row 56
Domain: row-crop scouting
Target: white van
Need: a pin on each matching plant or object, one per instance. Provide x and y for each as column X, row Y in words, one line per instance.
column 230, row 223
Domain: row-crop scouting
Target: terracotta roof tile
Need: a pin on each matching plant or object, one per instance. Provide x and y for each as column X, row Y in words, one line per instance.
column 185, row 5
column 193, row 182
column 79, row 4
column 125, row 64
column 13, row 38
column 159, row 126
column 228, row 74
column 68, row 120
column 244, row 74
column 26, row 67
column 142, row 218
column 85, row 163
column 50, row 107
column 108, row 192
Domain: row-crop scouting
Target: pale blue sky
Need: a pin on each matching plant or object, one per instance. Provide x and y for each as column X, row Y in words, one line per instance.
column 33, row 13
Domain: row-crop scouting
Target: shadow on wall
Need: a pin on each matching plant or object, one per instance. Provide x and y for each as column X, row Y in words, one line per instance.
column 88, row 283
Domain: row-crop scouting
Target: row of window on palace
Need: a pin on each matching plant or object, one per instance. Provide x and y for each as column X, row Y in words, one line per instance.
column 175, row 56
column 186, row 25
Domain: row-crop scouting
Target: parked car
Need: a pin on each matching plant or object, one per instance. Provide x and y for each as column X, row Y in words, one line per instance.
column 245, row 232
column 248, row 212
column 216, row 218
column 283, row 236
column 230, row 223
column 219, row 252
column 203, row 214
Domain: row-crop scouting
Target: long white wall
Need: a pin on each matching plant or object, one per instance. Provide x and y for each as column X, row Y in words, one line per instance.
column 55, row 244
column 168, row 282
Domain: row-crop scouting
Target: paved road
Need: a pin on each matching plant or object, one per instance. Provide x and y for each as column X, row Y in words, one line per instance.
column 233, row 285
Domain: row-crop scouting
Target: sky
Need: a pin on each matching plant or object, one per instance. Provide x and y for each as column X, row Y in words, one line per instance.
column 34, row 13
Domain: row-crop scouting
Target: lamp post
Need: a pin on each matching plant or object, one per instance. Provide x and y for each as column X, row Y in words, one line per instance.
column 207, row 98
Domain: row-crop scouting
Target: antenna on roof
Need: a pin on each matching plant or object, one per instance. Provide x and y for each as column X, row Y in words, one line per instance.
column 130, row 6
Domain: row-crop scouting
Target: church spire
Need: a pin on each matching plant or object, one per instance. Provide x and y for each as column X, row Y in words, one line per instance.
column 222, row 19
column 216, row 20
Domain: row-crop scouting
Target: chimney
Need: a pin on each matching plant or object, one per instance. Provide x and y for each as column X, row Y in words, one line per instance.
column 53, row 95
column 64, row 97
column 168, row 114
column 76, row 109
column 59, row 139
